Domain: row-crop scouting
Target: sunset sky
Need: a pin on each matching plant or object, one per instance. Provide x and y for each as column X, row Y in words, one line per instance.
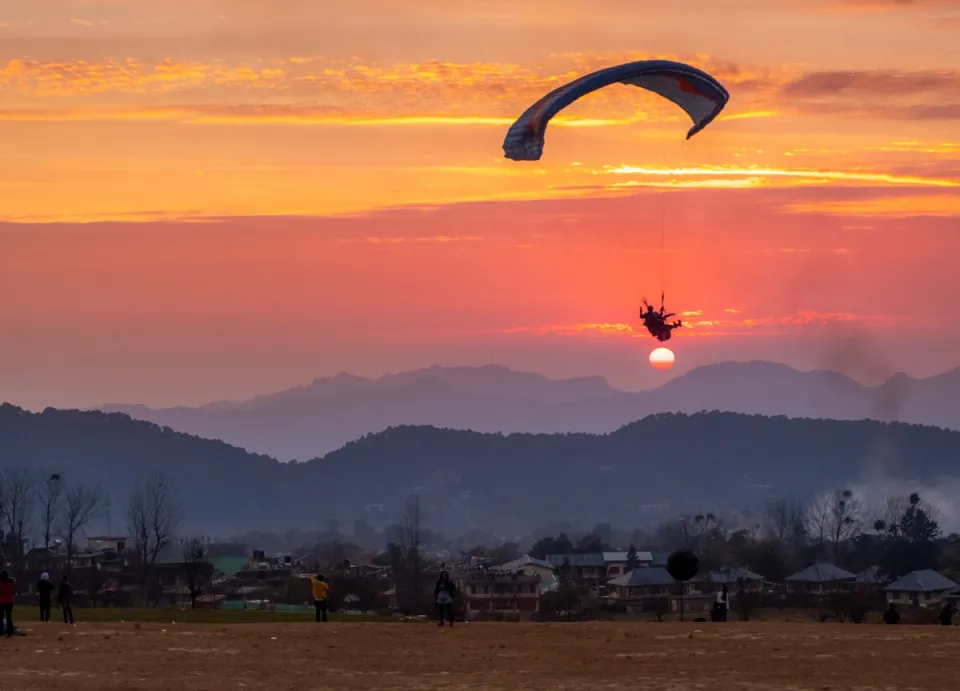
column 207, row 199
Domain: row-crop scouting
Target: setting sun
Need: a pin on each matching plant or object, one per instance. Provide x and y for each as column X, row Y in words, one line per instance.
column 662, row 358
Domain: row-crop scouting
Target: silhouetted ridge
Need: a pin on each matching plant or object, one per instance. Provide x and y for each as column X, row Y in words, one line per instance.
column 511, row 482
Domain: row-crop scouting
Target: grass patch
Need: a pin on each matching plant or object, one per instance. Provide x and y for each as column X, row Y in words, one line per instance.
column 199, row 616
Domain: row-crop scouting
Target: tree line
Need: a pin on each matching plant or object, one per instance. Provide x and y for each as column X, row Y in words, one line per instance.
column 49, row 509
column 836, row 527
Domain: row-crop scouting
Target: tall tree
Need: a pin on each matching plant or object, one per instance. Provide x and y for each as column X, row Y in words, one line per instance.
column 81, row 505
column 17, row 501
column 633, row 561
column 909, row 535
column 194, row 554
column 591, row 544
column 153, row 516
column 817, row 516
column 785, row 521
column 50, row 497
column 411, row 544
column 845, row 520
column 833, row 520
column 551, row 545
column 699, row 530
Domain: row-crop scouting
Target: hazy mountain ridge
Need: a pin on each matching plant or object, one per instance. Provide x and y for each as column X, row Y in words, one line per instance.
column 655, row 468
column 310, row 420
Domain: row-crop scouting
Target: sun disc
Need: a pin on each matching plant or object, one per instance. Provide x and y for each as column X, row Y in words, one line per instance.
column 662, row 358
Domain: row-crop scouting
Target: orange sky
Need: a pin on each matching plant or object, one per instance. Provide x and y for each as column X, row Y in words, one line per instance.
column 210, row 198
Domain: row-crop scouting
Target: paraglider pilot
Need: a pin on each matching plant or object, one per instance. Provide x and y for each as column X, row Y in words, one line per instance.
column 656, row 321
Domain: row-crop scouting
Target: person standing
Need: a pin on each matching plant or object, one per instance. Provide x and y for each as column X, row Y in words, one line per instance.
column 320, row 591
column 891, row 616
column 8, row 593
column 946, row 614
column 723, row 603
column 445, row 591
column 65, row 600
column 45, row 595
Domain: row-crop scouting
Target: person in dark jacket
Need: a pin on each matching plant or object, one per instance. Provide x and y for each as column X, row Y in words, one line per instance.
column 65, row 600
column 8, row 593
column 45, row 596
column 891, row 616
column 946, row 614
column 445, row 591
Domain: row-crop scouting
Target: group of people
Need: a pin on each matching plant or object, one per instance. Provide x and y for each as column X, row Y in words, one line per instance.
column 945, row 618
column 45, row 589
column 445, row 591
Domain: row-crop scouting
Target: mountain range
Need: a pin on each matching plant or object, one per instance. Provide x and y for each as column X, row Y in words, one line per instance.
column 646, row 471
column 312, row 420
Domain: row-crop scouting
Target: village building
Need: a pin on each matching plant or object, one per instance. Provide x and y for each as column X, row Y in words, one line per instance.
column 922, row 588
column 497, row 592
column 820, row 579
column 596, row 568
column 643, row 584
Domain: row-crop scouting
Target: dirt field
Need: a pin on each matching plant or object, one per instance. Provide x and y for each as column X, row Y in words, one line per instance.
column 648, row 656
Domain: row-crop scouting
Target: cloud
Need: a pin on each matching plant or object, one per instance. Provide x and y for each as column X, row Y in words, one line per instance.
column 406, row 240
column 889, row 207
column 873, row 83
column 425, row 88
column 471, row 92
column 881, row 5
column 82, row 22
column 283, row 115
column 879, row 94
column 759, row 174
column 802, row 320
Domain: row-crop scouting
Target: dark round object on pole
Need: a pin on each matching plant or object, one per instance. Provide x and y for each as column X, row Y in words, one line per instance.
column 683, row 565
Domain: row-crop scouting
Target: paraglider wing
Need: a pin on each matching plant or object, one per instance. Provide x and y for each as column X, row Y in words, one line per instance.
column 701, row 96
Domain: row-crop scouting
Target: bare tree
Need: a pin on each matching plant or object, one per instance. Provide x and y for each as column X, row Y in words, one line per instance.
column 817, row 521
column 17, row 502
column 81, row 505
column 50, row 495
column 152, row 518
column 786, row 520
column 194, row 551
column 411, row 544
column 698, row 529
column 839, row 518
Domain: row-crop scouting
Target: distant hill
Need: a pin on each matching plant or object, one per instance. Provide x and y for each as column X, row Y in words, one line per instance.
column 317, row 418
column 648, row 470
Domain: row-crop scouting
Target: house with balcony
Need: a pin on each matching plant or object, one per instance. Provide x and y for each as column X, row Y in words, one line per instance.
column 529, row 566
column 595, row 569
column 643, row 584
column 587, row 568
column 497, row 592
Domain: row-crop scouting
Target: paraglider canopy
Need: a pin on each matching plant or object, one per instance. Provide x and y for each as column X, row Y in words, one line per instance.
column 701, row 96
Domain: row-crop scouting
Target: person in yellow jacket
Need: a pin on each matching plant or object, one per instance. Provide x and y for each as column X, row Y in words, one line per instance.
column 320, row 590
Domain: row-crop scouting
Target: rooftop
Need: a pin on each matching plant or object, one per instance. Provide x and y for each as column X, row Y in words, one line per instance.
column 645, row 576
column 493, row 577
column 579, row 560
column 821, row 573
column 525, row 560
column 617, row 557
column 732, row 575
column 923, row 581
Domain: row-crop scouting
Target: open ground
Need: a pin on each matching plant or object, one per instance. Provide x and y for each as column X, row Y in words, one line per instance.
column 491, row 656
